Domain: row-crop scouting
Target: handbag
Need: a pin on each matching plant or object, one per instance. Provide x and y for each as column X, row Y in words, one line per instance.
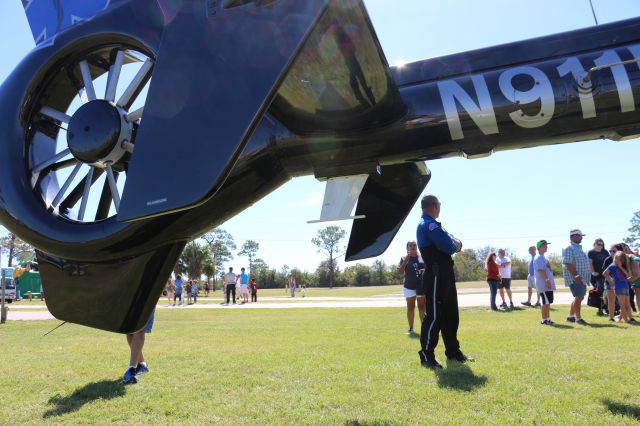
column 595, row 298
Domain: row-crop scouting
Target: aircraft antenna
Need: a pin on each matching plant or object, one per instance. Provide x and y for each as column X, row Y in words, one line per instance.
column 54, row 329
column 595, row 18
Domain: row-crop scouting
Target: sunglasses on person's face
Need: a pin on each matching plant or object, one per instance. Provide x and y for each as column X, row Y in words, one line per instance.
column 599, row 245
column 613, row 251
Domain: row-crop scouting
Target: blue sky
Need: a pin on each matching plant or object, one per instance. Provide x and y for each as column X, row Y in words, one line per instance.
column 510, row 199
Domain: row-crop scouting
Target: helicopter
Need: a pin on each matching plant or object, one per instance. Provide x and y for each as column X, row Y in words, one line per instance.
column 89, row 187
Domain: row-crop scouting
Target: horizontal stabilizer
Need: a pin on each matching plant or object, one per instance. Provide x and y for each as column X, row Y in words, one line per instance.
column 340, row 198
column 386, row 200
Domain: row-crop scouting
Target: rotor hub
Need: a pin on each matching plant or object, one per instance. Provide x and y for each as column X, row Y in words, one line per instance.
column 98, row 133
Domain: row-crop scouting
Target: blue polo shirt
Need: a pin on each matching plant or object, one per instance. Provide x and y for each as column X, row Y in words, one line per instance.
column 244, row 279
column 430, row 232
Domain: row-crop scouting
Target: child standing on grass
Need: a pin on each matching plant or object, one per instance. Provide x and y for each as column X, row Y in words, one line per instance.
column 545, row 285
column 617, row 275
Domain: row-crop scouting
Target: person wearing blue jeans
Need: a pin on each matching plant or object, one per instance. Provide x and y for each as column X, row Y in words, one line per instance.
column 493, row 279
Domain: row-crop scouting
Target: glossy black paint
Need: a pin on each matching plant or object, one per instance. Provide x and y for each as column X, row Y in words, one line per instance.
column 93, row 131
column 239, row 54
column 385, row 201
column 337, row 110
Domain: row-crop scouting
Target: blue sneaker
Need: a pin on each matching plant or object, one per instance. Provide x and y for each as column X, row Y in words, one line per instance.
column 141, row 369
column 130, row 376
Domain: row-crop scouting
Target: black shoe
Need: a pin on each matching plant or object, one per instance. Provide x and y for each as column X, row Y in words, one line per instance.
column 461, row 358
column 429, row 361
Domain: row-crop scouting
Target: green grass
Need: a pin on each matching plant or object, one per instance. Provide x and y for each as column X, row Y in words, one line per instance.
column 322, row 366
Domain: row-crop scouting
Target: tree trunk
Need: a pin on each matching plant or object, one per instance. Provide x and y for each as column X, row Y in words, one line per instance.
column 11, row 249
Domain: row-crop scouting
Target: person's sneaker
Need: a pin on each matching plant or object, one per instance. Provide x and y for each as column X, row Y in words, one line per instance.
column 130, row 376
column 526, row 303
column 537, row 305
column 581, row 322
column 461, row 358
column 543, row 322
column 549, row 322
column 428, row 361
column 141, row 369
column 411, row 333
column 571, row 319
column 600, row 314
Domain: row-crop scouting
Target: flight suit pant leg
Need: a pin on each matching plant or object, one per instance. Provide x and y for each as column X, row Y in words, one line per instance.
column 430, row 331
column 451, row 320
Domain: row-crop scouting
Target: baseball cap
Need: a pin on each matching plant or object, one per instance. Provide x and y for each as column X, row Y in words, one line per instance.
column 542, row 243
column 576, row 232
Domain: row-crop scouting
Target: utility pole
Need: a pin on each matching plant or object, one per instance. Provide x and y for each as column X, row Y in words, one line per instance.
column 3, row 309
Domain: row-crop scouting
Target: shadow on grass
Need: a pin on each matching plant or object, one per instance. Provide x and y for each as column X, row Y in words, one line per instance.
column 105, row 389
column 459, row 376
column 628, row 410
column 368, row 423
column 562, row 326
column 592, row 325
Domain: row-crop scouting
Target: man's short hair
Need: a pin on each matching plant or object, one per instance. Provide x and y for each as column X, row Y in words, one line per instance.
column 242, row 269
column 230, row 268
column 428, row 201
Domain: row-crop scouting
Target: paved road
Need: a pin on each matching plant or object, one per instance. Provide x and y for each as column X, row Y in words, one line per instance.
column 466, row 298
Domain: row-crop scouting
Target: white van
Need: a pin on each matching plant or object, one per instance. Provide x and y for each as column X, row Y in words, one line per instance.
column 9, row 285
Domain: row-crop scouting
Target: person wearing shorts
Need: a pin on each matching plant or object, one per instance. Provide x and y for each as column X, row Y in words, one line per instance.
column 504, row 266
column 617, row 275
column 137, row 364
column 577, row 272
column 531, row 280
column 545, row 285
column 411, row 268
column 244, row 286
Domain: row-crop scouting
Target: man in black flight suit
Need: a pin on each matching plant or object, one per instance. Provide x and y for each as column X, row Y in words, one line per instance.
column 436, row 247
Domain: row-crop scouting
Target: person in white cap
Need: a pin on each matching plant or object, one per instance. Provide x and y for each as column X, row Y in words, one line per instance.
column 577, row 272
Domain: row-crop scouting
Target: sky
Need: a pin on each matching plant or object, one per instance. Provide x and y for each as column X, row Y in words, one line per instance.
column 510, row 199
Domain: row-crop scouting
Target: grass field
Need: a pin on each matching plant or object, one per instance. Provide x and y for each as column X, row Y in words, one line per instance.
column 322, row 366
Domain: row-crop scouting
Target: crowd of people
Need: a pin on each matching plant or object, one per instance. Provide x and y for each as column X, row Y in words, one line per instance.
column 613, row 274
column 176, row 290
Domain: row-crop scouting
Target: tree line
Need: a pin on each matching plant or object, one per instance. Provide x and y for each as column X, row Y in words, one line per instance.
column 208, row 255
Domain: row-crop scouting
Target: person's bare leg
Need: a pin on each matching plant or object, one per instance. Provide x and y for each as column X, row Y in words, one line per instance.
column 577, row 308
column 411, row 310
column 422, row 307
column 529, row 291
column 136, row 342
column 510, row 295
column 572, row 307
column 502, row 295
column 545, row 311
column 611, row 303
